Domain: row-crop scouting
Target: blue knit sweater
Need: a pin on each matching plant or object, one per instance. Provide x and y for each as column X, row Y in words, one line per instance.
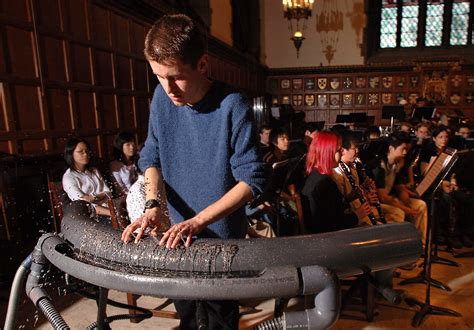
column 203, row 151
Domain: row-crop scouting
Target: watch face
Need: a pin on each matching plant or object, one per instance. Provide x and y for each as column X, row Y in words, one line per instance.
column 151, row 203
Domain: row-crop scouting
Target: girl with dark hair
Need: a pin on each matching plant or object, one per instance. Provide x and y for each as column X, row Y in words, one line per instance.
column 320, row 196
column 81, row 181
column 439, row 142
column 123, row 168
column 450, row 227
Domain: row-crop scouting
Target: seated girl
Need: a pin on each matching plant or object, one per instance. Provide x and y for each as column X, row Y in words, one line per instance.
column 123, row 168
column 81, row 181
column 136, row 199
column 323, row 204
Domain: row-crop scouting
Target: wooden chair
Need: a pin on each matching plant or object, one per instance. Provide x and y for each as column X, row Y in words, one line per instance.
column 57, row 197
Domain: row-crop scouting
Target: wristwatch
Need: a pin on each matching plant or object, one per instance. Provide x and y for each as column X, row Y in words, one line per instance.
column 151, row 204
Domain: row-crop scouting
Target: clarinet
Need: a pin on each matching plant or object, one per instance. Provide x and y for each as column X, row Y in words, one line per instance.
column 364, row 177
column 346, row 170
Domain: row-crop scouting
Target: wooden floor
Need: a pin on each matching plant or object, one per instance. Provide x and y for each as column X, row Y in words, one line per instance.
column 80, row 312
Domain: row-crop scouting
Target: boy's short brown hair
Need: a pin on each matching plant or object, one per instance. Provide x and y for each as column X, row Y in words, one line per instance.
column 175, row 37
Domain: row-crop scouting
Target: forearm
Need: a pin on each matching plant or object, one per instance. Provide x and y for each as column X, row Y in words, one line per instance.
column 231, row 201
column 153, row 180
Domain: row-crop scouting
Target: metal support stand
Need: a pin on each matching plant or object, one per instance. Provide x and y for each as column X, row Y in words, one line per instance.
column 425, row 307
column 425, row 275
column 101, row 309
column 436, row 259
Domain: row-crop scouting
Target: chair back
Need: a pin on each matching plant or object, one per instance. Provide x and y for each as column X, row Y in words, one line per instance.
column 57, row 197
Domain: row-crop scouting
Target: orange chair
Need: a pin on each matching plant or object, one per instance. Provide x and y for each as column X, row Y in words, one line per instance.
column 57, row 196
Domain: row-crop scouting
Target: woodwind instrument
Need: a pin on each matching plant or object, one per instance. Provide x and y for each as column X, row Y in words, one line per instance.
column 347, row 172
column 363, row 179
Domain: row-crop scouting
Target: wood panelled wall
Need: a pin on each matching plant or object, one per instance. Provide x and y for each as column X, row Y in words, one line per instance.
column 323, row 93
column 77, row 67
column 69, row 67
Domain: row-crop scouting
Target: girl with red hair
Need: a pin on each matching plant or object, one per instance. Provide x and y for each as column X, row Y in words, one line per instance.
column 322, row 202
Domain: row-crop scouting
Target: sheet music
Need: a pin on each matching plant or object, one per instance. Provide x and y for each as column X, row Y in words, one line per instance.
column 433, row 172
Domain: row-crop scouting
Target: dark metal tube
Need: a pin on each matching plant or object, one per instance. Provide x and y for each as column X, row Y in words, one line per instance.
column 377, row 247
column 36, row 293
column 273, row 282
column 221, row 269
column 17, row 286
column 327, row 300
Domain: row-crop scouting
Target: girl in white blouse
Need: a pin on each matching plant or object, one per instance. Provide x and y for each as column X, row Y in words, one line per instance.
column 81, row 181
column 123, row 168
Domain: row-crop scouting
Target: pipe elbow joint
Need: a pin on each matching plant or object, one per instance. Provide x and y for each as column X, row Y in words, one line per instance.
column 324, row 283
column 39, row 262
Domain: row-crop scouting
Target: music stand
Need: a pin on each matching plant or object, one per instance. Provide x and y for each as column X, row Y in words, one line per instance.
column 343, row 119
column 358, row 117
column 282, row 172
column 427, row 189
column 317, row 125
column 423, row 113
column 393, row 112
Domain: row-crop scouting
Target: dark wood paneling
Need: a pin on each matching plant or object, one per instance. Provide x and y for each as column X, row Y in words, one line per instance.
column 87, row 48
column 33, row 146
column 3, row 124
column 27, row 106
column 138, row 33
column 127, row 113
column 143, row 111
column 124, row 79
column 4, row 147
column 54, row 59
column 120, row 33
column 108, row 111
column 59, row 109
column 104, row 68
column 75, row 19
column 85, row 110
column 81, row 64
column 95, row 145
column 101, row 26
column 108, row 140
column 3, row 52
column 140, row 75
column 48, row 15
column 15, row 9
column 20, row 51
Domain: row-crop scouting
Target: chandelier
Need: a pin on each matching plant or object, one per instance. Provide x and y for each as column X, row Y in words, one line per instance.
column 296, row 10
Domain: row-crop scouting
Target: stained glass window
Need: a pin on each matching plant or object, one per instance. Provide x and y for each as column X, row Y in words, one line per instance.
column 401, row 20
column 388, row 24
column 434, row 23
column 459, row 23
column 409, row 24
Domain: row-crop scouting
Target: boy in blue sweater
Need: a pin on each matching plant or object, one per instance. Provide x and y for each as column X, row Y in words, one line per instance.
column 200, row 144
